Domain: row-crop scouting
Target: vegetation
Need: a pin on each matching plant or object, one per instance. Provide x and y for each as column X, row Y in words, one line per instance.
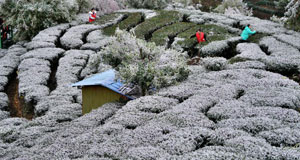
column 149, row 4
column 237, row 59
column 31, row 16
column 106, row 18
column 255, row 38
column 233, row 6
column 150, row 25
column 131, row 21
column 159, row 37
column 293, row 15
column 213, row 33
column 144, row 64
column 83, row 5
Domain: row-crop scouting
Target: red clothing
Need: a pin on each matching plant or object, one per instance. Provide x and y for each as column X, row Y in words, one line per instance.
column 92, row 16
column 200, row 37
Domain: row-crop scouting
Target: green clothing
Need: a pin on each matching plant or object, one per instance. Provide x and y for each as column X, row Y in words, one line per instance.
column 246, row 33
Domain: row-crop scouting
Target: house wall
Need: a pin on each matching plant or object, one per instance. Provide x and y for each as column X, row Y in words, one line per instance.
column 95, row 96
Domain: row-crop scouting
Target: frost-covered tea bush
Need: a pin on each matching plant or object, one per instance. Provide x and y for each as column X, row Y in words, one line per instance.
column 106, row 6
column 29, row 17
column 144, row 64
column 292, row 13
column 234, row 7
column 214, row 63
column 149, row 4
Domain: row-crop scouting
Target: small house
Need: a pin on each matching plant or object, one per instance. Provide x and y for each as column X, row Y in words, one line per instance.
column 100, row 89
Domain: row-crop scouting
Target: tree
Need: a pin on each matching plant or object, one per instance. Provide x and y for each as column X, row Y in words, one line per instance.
column 234, row 7
column 144, row 64
column 28, row 17
column 293, row 14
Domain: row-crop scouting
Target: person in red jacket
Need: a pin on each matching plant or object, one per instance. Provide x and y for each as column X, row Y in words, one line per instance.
column 201, row 37
column 92, row 15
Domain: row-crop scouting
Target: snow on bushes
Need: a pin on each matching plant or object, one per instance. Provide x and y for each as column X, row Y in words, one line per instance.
column 44, row 53
column 230, row 111
column 71, row 65
column 289, row 39
column 51, row 101
column 213, row 152
column 33, row 76
column 219, row 18
column 250, row 147
column 3, row 101
column 3, row 82
column 234, row 7
column 180, row 117
column 245, row 65
column 149, row 4
column 147, row 152
column 96, row 41
column 3, row 52
column 11, row 60
column 221, row 135
column 48, row 37
column 278, row 60
column 98, row 116
column 185, row 140
column 214, row 48
column 280, row 96
column 146, row 12
column 73, row 38
column 214, row 64
column 151, row 104
column 282, row 137
column 107, row 6
column 263, row 26
column 144, row 64
column 253, row 125
column 29, row 17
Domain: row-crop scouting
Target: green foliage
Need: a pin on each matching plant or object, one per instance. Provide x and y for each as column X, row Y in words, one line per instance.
column 213, row 33
column 83, row 5
column 238, row 6
column 160, row 36
column 255, row 38
column 237, row 59
column 265, row 2
column 149, row 4
column 294, row 21
column 132, row 20
column 144, row 64
column 163, row 19
column 106, row 18
column 28, row 17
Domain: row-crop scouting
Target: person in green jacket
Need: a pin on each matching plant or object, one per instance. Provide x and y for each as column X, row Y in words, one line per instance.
column 247, row 32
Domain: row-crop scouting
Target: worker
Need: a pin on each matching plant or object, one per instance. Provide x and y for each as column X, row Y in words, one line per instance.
column 201, row 37
column 92, row 15
column 247, row 32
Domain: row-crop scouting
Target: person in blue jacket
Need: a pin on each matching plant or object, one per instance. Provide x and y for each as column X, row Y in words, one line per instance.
column 247, row 32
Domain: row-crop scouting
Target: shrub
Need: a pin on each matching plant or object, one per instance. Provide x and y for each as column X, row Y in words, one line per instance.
column 215, row 64
column 83, row 5
column 131, row 21
column 144, row 64
column 293, row 14
column 149, row 4
column 31, row 16
column 163, row 19
column 233, row 7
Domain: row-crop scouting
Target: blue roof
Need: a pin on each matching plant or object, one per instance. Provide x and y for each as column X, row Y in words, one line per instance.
column 105, row 79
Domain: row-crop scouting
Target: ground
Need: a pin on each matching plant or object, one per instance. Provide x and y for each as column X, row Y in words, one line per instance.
column 239, row 102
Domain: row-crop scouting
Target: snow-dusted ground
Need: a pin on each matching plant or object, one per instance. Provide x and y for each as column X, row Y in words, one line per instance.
column 222, row 111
